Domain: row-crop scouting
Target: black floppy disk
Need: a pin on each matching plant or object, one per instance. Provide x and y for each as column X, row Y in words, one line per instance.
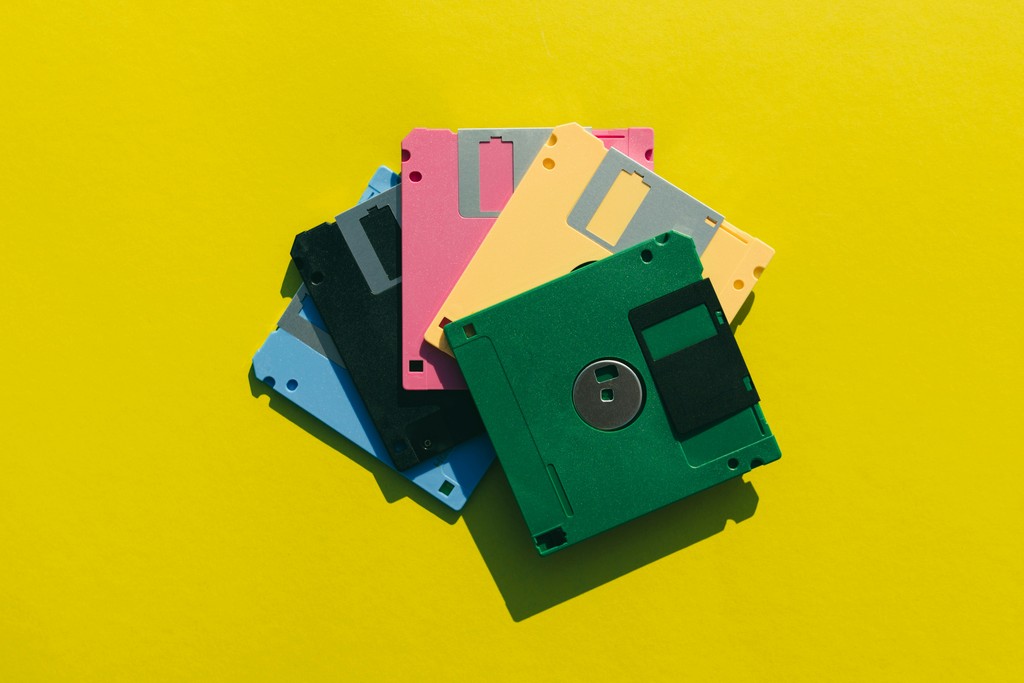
column 352, row 270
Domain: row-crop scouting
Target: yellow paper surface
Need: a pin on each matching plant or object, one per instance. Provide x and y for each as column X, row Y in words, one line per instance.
column 158, row 522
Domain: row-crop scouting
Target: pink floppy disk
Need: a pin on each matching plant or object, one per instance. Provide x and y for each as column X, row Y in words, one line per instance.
column 454, row 185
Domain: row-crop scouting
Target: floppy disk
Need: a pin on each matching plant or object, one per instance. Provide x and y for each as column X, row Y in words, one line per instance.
column 351, row 269
column 300, row 363
column 383, row 179
column 575, row 204
column 457, row 183
column 613, row 391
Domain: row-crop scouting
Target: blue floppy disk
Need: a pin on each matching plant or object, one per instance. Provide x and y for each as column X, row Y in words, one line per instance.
column 300, row 363
column 383, row 179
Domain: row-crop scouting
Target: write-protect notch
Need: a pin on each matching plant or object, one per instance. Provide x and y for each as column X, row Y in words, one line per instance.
column 734, row 261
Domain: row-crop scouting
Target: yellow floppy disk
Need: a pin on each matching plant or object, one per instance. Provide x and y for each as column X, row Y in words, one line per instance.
column 577, row 203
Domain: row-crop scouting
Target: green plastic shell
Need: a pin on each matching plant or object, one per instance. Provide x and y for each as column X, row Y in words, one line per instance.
column 521, row 358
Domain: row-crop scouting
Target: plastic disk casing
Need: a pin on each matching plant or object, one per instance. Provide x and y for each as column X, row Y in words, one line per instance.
column 351, row 269
column 613, row 391
column 577, row 203
column 300, row 363
column 383, row 179
column 457, row 183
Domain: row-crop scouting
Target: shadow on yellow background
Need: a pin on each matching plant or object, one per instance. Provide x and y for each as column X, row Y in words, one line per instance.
column 529, row 583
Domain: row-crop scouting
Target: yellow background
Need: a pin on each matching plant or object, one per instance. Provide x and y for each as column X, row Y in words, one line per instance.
column 159, row 522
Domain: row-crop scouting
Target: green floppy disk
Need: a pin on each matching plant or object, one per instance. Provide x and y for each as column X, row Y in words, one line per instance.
column 613, row 391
